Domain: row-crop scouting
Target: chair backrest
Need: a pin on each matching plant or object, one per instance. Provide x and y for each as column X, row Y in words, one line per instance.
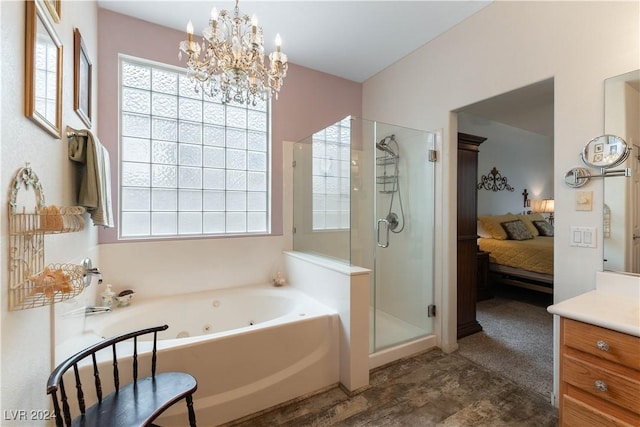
column 55, row 383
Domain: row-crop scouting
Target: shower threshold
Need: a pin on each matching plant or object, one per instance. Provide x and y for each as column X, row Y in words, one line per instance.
column 396, row 339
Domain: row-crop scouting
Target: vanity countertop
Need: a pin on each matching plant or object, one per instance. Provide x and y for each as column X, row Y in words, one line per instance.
column 613, row 305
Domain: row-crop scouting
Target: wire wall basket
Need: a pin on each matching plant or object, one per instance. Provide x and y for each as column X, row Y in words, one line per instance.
column 31, row 283
column 54, row 283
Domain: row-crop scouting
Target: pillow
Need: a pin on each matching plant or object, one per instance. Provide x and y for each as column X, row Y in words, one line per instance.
column 544, row 228
column 516, row 230
column 481, row 232
column 528, row 221
column 491, row 223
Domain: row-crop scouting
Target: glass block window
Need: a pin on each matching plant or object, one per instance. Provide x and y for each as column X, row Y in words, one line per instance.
column 331, row 167
column 188, row 165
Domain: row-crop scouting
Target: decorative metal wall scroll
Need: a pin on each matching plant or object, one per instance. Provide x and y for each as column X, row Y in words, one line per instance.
column 494, row 181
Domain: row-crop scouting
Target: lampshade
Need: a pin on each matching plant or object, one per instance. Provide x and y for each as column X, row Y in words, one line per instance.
column 547, row 205
column 543, row 206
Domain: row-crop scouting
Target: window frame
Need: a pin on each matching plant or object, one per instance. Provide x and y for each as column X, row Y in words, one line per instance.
column 122, row 58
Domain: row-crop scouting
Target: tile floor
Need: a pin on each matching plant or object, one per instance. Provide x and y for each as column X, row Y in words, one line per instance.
column 429, row 389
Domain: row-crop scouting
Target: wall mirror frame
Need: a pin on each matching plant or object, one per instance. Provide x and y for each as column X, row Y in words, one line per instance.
column 621, row 217
column 43, row 70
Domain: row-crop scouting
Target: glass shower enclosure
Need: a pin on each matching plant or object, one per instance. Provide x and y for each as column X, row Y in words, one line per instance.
column 363, row 194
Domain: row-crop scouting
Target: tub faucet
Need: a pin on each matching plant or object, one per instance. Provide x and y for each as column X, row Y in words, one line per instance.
column 90, row 270
column 96, row 309
column 95, row 271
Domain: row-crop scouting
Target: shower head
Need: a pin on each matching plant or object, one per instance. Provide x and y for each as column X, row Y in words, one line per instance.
column 383, row 145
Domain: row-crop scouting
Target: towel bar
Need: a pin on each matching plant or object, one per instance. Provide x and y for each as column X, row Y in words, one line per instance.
column 72, row 133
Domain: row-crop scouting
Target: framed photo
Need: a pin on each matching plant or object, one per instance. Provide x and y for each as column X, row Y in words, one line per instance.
column 55, row 8
column 82, row 72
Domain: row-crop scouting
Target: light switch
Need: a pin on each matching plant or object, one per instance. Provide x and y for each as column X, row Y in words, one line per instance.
column 577, row 235
column 584, row 237
column 587, row 239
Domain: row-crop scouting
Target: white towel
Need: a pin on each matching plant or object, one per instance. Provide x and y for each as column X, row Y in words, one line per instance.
column 95, row 187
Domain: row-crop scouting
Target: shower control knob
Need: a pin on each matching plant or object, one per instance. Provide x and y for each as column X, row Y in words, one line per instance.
column 393, row 221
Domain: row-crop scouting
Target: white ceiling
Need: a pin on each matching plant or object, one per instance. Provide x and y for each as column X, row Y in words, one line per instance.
column 355, row 40
column 351, row 39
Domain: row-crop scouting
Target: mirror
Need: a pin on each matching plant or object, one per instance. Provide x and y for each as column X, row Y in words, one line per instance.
column 621, row 227
column 43, row 70
column 605, row 151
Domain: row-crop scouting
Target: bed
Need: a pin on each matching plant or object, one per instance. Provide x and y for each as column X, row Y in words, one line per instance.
column 521, row 258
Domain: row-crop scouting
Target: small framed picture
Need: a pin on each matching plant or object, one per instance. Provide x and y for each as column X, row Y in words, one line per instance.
column 55, row 9
column 597, row 158
column 82, row 69
column 598, row 148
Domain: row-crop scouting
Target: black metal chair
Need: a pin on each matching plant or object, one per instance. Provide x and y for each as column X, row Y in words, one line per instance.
column 135, row 404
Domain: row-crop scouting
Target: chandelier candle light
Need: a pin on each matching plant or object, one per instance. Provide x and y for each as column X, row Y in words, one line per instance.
column 230, row 61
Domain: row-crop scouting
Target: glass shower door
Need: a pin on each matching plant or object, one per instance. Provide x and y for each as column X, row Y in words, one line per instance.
column 403, row 198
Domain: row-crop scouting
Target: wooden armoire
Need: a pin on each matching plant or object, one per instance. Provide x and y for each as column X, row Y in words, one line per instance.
column 467, row 233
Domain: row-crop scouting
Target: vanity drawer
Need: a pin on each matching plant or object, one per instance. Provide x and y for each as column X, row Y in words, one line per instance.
column 579, row 414
column 603, row 383
column 604, row 343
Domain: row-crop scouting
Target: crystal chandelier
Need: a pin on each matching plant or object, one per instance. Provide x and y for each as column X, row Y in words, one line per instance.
column 230, row 61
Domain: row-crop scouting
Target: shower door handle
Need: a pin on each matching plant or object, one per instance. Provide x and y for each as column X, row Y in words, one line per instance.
column 386, row 224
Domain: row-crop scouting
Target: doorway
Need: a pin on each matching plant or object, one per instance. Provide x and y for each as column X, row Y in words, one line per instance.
column 517, row 332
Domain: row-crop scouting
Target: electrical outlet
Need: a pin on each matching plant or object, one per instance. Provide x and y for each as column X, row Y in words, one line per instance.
column 583, row 237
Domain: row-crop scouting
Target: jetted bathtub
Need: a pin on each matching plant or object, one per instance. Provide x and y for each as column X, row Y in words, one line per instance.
column 249, row 348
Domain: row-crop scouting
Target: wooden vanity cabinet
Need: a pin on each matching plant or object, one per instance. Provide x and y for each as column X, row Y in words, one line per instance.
column 599, row 376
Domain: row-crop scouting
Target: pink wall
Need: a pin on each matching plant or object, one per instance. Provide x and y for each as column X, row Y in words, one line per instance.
column 308, row 101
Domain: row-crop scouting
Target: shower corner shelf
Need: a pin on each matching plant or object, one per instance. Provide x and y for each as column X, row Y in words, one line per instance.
column 386, row 160
column 387, row 183
column 31, row 283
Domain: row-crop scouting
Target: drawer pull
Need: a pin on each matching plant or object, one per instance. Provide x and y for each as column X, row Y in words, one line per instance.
column 602, row 345
column 601, row 385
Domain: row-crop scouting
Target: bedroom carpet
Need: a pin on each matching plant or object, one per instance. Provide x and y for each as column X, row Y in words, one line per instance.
column 517, row 339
